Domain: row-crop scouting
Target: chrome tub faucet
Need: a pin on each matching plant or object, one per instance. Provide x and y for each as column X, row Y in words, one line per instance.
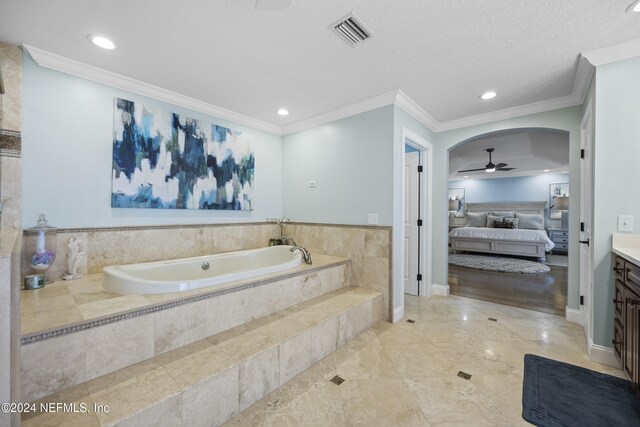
column 306, row 256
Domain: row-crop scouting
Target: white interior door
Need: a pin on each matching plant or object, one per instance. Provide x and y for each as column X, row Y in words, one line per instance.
column 586, row 217
column 411, row 241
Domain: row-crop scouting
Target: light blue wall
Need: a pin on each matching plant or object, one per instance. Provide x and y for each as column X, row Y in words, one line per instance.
column 616, row 177
column 514, row 189
column 67, row 156
column 409, row 149
column 350, row 161
column 567, row 119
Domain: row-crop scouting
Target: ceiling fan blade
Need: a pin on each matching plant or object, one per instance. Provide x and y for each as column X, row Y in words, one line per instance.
column 472, row 170
column 501, row 165
column 505, row 169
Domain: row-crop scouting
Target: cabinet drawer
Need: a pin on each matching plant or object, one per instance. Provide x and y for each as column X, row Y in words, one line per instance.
column 560, row 246
column 618, row 337
column 558, row 240
column 559, row 234
column 633, row 276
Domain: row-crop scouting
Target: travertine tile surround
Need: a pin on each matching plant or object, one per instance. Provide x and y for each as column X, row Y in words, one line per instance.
column 368, row 247
column 11, row 63
column 11, row 122
column 210, row 380
column 129, row 245
column 65, row 304
column 68, row 359
column 9, row 318
column 10, row 190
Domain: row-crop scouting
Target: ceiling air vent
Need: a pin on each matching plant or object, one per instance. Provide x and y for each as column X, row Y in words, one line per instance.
column 351, row 30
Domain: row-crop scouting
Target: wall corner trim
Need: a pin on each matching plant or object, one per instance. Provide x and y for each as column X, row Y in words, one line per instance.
column 398, row 314
column 613, row 53
column 572, row 315
column 601, row 354
column 99, row 75
column 442, row 290
column 362, row 106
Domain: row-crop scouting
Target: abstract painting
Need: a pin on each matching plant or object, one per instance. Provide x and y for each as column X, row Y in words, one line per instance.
column 163, row 160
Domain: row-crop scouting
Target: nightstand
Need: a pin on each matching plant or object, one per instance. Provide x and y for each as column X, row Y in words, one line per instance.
column 560, row 237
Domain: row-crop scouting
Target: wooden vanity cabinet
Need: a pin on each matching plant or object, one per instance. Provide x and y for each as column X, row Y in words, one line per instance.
column 626, row 341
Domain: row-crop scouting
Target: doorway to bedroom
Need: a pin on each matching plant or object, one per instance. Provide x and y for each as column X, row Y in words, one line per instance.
column 508, row 207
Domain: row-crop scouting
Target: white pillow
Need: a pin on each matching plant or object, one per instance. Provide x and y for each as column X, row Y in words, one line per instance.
column 504, row 214
column 492, row 219
column 476, row 219
column 530, row 221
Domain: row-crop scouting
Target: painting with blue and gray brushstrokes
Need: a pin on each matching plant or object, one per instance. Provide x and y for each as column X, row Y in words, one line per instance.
column 163, row 160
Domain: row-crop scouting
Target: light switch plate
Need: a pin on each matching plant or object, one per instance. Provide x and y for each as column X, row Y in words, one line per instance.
column 373, row 219
column 625, row 223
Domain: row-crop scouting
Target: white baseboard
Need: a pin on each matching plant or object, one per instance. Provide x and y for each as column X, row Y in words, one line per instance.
column 572, row 315
column 442, row 290
column 602, row 354
column 398, row 314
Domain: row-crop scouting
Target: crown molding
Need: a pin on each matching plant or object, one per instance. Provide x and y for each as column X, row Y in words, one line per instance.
column 614, row 53
column 583, row 76
column 362, row 106
column 415, row 110
column 99, row 75
column 508, row 113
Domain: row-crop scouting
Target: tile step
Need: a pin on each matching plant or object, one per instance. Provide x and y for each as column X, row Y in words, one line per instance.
column 209, row 381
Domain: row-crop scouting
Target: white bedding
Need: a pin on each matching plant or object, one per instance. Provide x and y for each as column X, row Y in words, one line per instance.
column 504, row 234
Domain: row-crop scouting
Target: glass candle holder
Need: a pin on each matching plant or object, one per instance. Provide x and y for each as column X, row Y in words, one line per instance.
column 40, row 246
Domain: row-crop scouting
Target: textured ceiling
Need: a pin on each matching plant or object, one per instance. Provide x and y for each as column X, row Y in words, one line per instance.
column 530, row 151
column 441, row 53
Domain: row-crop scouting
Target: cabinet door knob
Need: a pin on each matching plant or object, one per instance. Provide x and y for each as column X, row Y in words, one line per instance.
column 617, row 301
column 614, row 342
column 618, row 270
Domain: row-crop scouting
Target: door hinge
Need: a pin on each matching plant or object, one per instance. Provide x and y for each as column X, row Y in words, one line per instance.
column 581, row 299
column 582, row 226
column 419, row 223
column 419, row 277
column 420, row 168
column 582, row 153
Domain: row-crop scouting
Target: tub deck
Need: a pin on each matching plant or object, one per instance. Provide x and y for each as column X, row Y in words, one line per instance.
column 63, row 304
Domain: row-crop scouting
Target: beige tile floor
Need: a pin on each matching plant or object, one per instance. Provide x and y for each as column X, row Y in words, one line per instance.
column 406, row 374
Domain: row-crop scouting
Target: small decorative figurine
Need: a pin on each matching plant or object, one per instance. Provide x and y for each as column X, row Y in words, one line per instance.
column 74, row 256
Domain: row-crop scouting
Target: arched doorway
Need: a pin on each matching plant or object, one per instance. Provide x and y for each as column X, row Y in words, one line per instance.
column 497, row 180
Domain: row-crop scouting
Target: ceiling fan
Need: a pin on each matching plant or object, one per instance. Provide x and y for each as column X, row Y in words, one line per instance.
column 490, row 167
column 272, row 4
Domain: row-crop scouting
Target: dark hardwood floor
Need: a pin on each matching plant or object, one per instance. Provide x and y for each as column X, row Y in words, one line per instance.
column 545, row 292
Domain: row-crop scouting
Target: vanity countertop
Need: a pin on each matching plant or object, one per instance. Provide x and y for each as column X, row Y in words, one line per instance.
column 627, row 246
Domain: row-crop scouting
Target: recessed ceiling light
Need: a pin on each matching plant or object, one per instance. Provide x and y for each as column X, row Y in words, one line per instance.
column 466, row 176
column 545, row 170
column 283, row 112
column 102, row 42
column 634, row 7
column 488, row 95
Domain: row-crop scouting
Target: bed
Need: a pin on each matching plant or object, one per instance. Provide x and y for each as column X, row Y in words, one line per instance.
column 522, row 242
